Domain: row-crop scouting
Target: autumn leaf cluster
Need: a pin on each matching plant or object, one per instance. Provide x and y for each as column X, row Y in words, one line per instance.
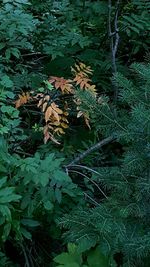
column 56, row 112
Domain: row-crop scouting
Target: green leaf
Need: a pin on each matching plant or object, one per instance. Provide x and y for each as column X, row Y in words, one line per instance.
column 3, row 181
column 66, row 259
column 15, row 52
column 44, row 179
column 58, row 195
column 6, row 231
column 8, row 53
column 96, row 258
column 50, row 87
column 30, row 222
column 72, row 248
column 25, row 202
column 10, row 94
column 5, row 211
column 61, row 176
column 7, row 195
column 2, row 45
column 25, row 233
column 9, row 198
column 48, row 205
column 6, row 81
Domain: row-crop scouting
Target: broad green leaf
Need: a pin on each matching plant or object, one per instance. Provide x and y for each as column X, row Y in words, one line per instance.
column 44, row 178
column 58, row 195
column 66, row 259
column 6, row 231
column 48, row 205
column 5, row 211
column 7, row 195
column 6, row 81
column 61, row 176
column 25, row 202
column 96, row 258
column 6, row 191
column 10, row 94
column 72, row 248
column 9, row 198
column 25, row 233
column 30, row 222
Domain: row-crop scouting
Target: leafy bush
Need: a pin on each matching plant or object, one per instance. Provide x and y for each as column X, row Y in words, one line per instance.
column 48, row 51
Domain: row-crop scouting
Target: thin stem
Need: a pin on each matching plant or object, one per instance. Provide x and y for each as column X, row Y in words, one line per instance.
column 95, row 202
column 81, row 167
column 27, row 264
column 93, row 182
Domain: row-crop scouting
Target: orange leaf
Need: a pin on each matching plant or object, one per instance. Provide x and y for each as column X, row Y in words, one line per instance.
column 23, row 99
column 55, row 107
column 46, row 134
column 48, row 113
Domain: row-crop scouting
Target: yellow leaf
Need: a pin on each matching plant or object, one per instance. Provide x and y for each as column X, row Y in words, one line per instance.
column 64, row 119
column 55, row 123
column 59, row 131
column 64, row 125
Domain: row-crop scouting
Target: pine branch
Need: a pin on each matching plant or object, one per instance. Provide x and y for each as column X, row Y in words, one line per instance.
column 92, row 149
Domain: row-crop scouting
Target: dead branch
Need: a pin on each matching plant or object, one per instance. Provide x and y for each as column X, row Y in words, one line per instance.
column 92, row 149
column 114, row 36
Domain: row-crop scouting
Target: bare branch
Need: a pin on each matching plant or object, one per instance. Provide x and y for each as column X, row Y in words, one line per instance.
column 93, row 182
column 32, row 54
column 114, row 39
column 92, row 149
column 93, row 200
column 67, row 168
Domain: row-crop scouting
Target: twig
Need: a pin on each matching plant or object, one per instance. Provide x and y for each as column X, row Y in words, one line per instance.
column 27, row 264
column 22, row 153
column 93, row 182
column 114, row 35
column 81, row 167
column 95, row 202
column 31, row 54
column 92, row 149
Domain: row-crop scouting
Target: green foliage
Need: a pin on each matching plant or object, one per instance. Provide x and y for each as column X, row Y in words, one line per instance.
column 74, row 258
column 105, row 204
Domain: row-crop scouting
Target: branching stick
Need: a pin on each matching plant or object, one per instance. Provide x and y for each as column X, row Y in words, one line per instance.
column 92, row 149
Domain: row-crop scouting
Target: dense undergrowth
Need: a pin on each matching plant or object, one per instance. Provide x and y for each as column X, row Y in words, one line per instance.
column 74, row 133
